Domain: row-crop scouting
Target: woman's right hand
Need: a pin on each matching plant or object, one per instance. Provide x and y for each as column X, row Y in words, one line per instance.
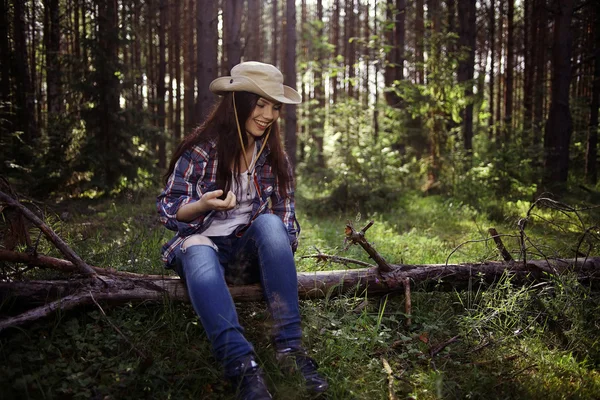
column 208, row 202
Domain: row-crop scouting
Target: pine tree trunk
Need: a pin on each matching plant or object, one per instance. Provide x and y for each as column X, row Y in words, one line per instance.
column 232, row 21
column 254, row 42
column 24, row 90
column 189, row 68
column 161, row 89
column 559, row 125
column 53, row 70
column 207, row 38
column 591, row 154
column 290, row 80
column 492, row 75
column 467, row 36
column 336, row 46
column 419, row 44
column 509, row 89
column 539, row 91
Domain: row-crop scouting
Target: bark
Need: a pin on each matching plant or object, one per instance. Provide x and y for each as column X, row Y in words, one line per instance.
column 559, row 125
column 232, row 20
column 53, row 70
column 539, row 92
column 466, row 67
column 207, row 38
column 336, row 45
column 189, row 68
column 419, row 44
column 50, row 296
column 176, row 38
column 290, row 80
column 492, row 77
column 6, row 57
column 24, row 90
column 591, row 154
column 275, row 36
column 509, row 84
column 317, row 130
column 161, row 88
column 254, row 43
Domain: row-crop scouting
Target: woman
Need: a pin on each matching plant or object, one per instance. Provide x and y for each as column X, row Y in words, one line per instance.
column 229, row 196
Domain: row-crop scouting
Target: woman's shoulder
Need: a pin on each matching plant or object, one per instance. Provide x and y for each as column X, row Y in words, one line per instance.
column 201, row 151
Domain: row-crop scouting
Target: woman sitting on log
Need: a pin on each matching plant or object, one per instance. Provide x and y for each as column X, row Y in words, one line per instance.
column 229, row 196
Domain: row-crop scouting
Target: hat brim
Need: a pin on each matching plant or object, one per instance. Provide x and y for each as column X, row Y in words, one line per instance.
column 226, row 84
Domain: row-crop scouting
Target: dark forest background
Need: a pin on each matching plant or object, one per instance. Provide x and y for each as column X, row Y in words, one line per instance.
column 462, row 97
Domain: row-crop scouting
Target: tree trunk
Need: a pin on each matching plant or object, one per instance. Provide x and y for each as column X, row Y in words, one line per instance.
column 591, row 154
column 559, row 125
column 25, row 95
column 6, row 55
column 510, row 62
column 529, row 38
column 419, row 44
column 108, row 85
column 335, row 28
column 232, row 21
column 53, row 70
column 161, row 89
column 317, row 130
column 466, row 40
column 539, row 91
column 189, row 68
column 254, row 43
column 122, row 287
column 207, row 38
column 290, row 80
column 492, row 75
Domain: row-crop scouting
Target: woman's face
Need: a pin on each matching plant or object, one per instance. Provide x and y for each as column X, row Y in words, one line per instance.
column 265, row 113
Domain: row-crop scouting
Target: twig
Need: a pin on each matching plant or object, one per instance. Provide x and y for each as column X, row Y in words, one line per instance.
column 49, row 233
column 146, row 360
column 499, row 245
column 511, row 376
column 390, row 374
column 337, row 259
column 442, row 346
column 407, row 301
column 359, row 238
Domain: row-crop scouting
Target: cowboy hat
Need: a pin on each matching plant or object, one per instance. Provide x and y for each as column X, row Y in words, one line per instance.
column 259, row 78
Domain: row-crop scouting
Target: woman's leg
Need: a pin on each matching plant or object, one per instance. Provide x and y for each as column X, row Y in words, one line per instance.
column 199, row 266
column 267, row 239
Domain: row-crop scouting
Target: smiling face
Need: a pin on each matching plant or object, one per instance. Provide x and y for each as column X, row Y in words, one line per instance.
column 265, row 114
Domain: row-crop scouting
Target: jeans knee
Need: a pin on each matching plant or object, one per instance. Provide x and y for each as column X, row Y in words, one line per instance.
column 200, row 262
column 269, row 223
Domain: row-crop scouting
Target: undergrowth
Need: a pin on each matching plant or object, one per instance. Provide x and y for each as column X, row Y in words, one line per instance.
column 497, row 341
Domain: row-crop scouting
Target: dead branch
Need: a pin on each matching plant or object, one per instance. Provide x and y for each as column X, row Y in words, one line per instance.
column 359, row 238
column 49, row 233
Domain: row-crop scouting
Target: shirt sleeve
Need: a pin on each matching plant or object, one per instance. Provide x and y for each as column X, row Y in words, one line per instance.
column 180, row 190
column 285, row 208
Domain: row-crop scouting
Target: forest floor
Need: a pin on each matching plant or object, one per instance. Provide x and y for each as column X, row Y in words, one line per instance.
column 499, row 341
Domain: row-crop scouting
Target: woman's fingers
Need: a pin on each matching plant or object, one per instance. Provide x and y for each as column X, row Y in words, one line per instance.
column 214, row 203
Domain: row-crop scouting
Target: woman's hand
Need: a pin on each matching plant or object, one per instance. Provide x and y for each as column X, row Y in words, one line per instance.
column 208, row 202
column 211, row 201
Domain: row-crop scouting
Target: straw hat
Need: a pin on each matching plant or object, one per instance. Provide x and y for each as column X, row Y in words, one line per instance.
column 259, row 78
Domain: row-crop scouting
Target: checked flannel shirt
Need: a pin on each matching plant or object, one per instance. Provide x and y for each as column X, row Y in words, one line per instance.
column 195, row 173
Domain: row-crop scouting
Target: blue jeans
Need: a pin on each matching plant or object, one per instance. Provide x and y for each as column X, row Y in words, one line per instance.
column 263, row 254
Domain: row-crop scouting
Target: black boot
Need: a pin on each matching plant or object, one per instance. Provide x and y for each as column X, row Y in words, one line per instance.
column 248, row 379
column 297, row 360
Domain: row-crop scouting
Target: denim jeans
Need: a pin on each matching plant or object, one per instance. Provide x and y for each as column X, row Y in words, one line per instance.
column 263, row 254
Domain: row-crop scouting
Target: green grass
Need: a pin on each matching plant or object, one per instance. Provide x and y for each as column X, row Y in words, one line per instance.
column 536, row 342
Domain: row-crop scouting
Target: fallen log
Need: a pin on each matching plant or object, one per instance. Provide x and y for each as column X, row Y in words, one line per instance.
column 112, row 286
column 119, row 288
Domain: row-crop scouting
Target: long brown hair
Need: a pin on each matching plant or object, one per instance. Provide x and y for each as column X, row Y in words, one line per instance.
column 221, row 126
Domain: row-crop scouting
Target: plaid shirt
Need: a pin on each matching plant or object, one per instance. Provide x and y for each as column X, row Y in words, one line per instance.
column 195, row 173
